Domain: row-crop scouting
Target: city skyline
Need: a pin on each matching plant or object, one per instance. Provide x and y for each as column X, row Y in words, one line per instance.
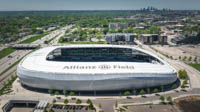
column 23, row 5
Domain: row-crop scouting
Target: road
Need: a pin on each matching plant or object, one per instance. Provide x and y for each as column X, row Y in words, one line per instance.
column 6, row 62
column 59, row 32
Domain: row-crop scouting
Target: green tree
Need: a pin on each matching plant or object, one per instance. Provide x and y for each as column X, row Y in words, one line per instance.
column 174, row 86
column 66, row 101
column 179, row 57
column 88, row 101
column 142, row 91
column 169, row 99
column 116, row 104
column 126, row 93
column 105, row 30
column 65, row 92
column 148, row 90
column 162, row 88
column 184, row 58
column 162, row 98
column 195, row 59
column 50, row 91
column 135, row 91
column 71, row 93
column 185, row 82
column 57, row 93
column 54, row 101
column 190, row 58
column 183, row 86
column 78, row 101
column 155, row 90
column 99, row 36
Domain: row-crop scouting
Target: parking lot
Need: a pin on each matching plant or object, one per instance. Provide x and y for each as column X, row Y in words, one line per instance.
column 71, row 108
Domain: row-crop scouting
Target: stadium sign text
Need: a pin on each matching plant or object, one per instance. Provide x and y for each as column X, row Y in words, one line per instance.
column 102, row 67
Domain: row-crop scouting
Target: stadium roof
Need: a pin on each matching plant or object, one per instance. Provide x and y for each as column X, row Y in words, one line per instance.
column 36, row 61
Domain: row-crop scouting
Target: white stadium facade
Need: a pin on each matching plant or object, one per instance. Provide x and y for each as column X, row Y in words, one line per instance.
column 94, row 68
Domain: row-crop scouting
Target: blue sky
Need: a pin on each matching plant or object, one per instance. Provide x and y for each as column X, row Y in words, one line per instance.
column 96, row 4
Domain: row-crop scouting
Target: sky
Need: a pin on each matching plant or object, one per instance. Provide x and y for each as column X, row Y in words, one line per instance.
column 19, row 5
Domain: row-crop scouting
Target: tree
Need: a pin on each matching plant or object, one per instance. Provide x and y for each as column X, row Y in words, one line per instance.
column 142, row 91
column 54, row 101
column 135, row 91
column 179, row 57
column 195, row 59
column 91, row 106
column 162, row 98
column 183, row 86
column 51, row 110
column 116, row 104
column 185, row 81
column 105, row 30
column 190, row 58
column 184, row 58
column 50, row 91
column 78, row 101
column 169, row 99
column 71, row 93
column 155, row 90
column 148, row 90
column 66, row 101
column 162, row 88
column 99, row 36
column 88, row 101
column 65, row 92
column 174, row 86
column 126, row 93
column 182, row 74
column 57, row 93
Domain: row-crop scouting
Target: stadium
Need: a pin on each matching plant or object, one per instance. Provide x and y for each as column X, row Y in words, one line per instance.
column 94, row 68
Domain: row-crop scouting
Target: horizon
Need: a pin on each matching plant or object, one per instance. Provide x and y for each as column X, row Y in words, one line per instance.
column 46, row 5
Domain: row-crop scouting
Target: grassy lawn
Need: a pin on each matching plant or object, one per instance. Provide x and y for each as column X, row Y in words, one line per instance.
column 197, row 66
column 34, row 38
column 5, row 52
column 85, row 42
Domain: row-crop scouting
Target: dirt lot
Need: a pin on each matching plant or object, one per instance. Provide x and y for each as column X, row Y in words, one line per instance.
column 189, row 104
column 179, row 51
column 152, row 108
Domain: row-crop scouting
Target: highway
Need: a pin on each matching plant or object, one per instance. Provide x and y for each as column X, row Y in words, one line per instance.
column 8, row 61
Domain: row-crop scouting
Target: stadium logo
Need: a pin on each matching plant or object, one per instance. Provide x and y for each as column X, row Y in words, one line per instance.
column 104, row 67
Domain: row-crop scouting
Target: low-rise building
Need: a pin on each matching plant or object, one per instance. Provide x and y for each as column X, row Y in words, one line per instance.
column 153, row 39
column 120, row 38
column 118, row 25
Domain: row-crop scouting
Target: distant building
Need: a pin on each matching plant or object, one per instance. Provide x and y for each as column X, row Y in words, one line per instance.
column 118, row 25
column 113, row 25
column 120, row 38
column 153, row 39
